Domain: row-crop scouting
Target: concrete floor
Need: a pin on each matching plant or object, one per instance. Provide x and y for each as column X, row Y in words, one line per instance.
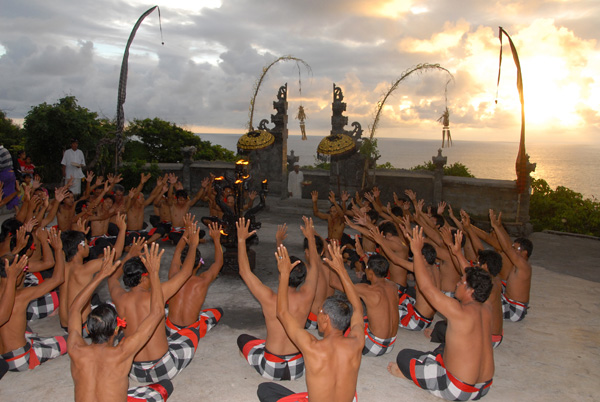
column 553, row 355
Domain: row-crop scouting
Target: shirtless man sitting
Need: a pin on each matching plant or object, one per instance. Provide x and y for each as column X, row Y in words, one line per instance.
column 335, row 218
column 161, row 357
column 100, row 370
column 416, row 313
column 179, row 205
column 332, row 363
column 24, row 350
column 380, row 296
column 515, row 297
column 185, row 308
column 77, row 273
column 277, row 358
column 135, row 205
column 463, row 367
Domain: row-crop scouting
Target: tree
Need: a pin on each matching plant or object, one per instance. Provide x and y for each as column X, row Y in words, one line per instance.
column 11, row 135
column 456, row 169
column 161, row 141
column 50, row 128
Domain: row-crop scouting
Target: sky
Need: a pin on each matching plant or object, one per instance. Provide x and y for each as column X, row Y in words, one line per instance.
column 214, row 51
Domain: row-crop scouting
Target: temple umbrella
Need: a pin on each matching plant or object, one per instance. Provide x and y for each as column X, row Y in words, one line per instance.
column 335, row 147
column 255, row 140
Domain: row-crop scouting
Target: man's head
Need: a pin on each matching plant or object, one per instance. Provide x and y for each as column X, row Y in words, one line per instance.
column 429, row 253
column 492, row 261
column 523, row 245
column 119, row 191
column 437, row 220
column 102, row 323
column 373, row 216
column 27, row 178
column 475, row 284
column 298, row 273
column 108, row 201
column 378, row 265
column 69, row 199
column 339, row 311
column 296, row 167
column 397, row 211
column 333, row 210
column 388, row 229
column 133, row 272
column 21, row 154
column 197, row 259
column 9, row 228
column 74, row 144
column 10, row 258
column 319, row 244
column 74, row 242
column 181, row 196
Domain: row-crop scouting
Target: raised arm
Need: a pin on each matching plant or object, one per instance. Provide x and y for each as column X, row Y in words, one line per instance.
column 312, row 275
column 82, row 300
column 214, row 231
column 134, row 343
column 336, row 263
column 170, row 287
column 7, row 299
column 294, row 329
column 256, row 287
column 315, row 199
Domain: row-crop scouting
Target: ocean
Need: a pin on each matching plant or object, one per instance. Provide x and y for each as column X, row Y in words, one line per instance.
column 574, row 166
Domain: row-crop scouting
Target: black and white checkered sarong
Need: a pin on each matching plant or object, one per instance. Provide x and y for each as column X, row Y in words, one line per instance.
column 375, row 346
column 410, row 318
column 513, row 310
column 36, row 351
column 273, row 367
column 182, row 347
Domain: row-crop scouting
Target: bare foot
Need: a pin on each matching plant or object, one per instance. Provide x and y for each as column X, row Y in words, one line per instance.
column 395, row 370
column 427, row 332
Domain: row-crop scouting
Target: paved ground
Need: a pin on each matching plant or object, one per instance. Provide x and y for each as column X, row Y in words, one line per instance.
column 552, row 355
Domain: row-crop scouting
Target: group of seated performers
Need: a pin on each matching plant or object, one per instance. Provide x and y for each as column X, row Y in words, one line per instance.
column 346, row 298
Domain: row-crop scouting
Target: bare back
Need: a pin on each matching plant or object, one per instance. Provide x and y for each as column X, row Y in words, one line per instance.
column 468, row 354
column 332, row 366
column 277, row 341
column 186, row 305
column 134, row 306
column 381, row 299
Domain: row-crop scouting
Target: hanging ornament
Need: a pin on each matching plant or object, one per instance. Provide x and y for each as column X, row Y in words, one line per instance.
column 445, row 121
column 302, row 116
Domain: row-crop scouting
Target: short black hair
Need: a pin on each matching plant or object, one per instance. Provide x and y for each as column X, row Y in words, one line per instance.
column 480, row 281
column 379, row 265
column 339, row 310
column 429, row 253
column 397, row 211
column 132, row 272
column 439, row 219
column 6, row 257
column 388, row 227
column 373, row 215
column 71, row 240
column 101, row 323
column 492, row 259
column 298, row 274
column 184, row 254
column 319, row 243
column 464, row 238
column 181, row 193
column 525, row 244
column 9, row 227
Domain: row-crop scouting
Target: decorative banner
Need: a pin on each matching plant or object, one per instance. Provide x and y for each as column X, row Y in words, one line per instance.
column 521, row 163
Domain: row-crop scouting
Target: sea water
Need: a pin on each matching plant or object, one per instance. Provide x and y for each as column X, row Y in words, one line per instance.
column 573, row 166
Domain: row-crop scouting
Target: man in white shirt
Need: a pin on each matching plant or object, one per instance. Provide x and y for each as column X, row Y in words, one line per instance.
column 72, row 162
column 295, row 180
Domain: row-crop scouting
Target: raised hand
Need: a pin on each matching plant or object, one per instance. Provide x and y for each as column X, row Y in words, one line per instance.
column 345, row 196
column 214, row 231
column 314, row 195
column 416, row 240
column 242, row 226
column 54, row 239
column 496, row 221
column 109, row 265
column 135, row 249
column 332, row 197
column 283, row 261
column 411, row 195
column 151, row 258
column 376, row 192
column 18, row 266
column 441, row 207
column 89, row 176
column 281, row 233
column 80, row 226
column 336, row 263
column 308, row 230
column 121, row 221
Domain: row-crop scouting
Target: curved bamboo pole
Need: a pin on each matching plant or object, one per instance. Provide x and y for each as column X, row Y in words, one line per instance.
column 262, row 77
column 418, row 68
column 122, row 91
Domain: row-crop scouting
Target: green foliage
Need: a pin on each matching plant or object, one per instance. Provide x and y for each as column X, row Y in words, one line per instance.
column 563, row 210
column 370, row 151
column 456, row 169
column 156, row 139
column 131, row 172
column 386, row 165
column 49, row 129
column 11, row 135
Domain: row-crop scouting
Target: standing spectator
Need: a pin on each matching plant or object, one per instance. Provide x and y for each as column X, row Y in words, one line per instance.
column 28, row 167
column 295, row 182
column 18, row 164
column 72, row 162
column 7, row 177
